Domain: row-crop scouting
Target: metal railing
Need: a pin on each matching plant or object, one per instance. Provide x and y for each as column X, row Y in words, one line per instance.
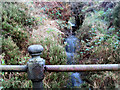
column 36, row 66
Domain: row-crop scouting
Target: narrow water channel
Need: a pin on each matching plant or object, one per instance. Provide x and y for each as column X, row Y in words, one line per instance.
column 75, row 79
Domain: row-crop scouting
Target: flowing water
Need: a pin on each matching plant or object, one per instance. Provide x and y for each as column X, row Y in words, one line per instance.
column 70, row 48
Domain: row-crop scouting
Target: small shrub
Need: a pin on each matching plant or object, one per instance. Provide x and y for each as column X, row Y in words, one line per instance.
column 14, row 21
column 16, row 80
column 12, row 53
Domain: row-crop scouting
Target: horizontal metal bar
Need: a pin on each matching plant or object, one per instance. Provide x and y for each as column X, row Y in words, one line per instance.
column 13, row 68
column 79, row 68
column 64, row 68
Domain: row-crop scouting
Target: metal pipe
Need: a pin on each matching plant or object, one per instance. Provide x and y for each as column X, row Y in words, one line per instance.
column 79, row 68
column 64, row 68
column 13, row 68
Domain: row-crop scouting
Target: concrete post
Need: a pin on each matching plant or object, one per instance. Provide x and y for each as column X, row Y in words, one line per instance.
column 36, row 66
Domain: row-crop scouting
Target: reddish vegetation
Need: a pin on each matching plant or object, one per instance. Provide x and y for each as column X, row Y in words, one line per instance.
column 56, row 10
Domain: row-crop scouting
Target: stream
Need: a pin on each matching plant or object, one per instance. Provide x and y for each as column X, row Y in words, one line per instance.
column 75, row 79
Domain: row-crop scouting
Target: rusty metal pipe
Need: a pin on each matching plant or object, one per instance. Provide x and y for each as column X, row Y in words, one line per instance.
column 13, row 68
column 64, row 68
column 80, row 68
